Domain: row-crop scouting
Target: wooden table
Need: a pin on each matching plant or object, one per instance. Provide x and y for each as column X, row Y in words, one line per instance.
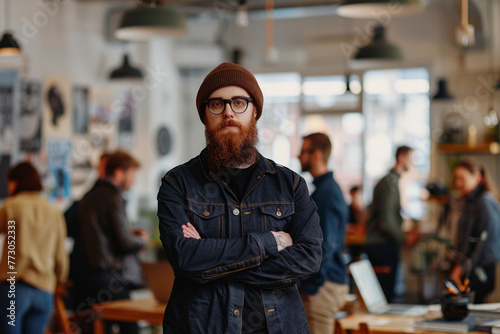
column 148, row 310
column 383, row 324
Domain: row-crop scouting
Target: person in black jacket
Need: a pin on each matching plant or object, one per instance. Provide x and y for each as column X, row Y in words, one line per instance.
column 105, row 240
column 478, row 241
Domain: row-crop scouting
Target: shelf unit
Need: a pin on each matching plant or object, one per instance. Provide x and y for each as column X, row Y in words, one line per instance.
column 486, row 148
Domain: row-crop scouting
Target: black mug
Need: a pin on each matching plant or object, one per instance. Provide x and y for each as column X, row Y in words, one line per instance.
column 454, row 306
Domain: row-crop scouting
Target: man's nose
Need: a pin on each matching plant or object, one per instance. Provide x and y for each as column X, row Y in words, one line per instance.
column 228, row 112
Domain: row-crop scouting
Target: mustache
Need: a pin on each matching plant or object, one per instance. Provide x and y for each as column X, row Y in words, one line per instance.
column 229, row 122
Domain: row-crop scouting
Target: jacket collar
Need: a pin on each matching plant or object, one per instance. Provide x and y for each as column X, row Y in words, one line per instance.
column 107, row 183
column 396, row 174
column 322, row 178
column 264, row 166
column 475, row 194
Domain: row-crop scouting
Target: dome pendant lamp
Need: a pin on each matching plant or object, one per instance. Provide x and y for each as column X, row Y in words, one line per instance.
column 126, row 71
column 8, row 44
column 147, row 22
column 368, row 9
column 378, row 50
column 442, row 91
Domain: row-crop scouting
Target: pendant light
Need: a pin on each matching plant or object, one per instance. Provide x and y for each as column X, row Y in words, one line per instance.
column 442, row 91
column 242, row 14
column 464, row 33
column 152, row 21
column 271, row 53
column 126, row 71
column 378, row 50
column 368, row 9
column 491, row 118
column 8, row 45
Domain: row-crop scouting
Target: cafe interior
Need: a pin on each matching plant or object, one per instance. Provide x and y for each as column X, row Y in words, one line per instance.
column 79, row 78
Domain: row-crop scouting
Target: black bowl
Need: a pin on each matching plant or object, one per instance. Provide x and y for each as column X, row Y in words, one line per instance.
column 454, row 307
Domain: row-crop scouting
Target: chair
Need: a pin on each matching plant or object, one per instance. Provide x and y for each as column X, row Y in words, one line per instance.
column 363, row 328
column 61, row 319
column 338, row 328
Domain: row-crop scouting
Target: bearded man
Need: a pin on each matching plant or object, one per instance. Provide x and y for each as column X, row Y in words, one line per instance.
column 239, row 230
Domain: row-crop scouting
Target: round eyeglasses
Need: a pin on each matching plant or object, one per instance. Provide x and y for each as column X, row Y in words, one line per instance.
column 217, row 105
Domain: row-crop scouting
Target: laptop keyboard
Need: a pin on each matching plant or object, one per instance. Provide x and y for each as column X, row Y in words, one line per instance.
column 411, row 311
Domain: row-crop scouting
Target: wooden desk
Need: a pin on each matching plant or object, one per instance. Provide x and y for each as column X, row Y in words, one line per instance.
column 148, row 310
column 354, row 239
column 383, row 324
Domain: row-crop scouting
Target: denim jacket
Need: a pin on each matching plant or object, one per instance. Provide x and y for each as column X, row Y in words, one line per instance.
column 480, row 212
column 236, row 247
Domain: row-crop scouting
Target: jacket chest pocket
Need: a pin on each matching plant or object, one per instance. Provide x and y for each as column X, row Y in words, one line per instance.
column 207, row 218
column 275, row 217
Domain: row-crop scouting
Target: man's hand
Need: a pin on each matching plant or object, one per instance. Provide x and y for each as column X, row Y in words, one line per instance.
column 283, row 239
column 190, row 232
column 141, row 233
column 456, row 274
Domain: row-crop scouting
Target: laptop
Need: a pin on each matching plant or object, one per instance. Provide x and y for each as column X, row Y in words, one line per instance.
column 373, row 295
column 159, row 279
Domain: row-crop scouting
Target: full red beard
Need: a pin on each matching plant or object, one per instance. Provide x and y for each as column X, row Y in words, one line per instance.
column 231, row 149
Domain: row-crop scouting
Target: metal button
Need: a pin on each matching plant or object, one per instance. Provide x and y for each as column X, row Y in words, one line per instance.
column 206, row 213
column 279, row 213
column 258, row 177
column 236, row 211
column 236, row 313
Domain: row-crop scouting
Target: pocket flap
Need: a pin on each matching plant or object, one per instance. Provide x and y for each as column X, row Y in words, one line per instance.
column 278, row 211
column 206, row 210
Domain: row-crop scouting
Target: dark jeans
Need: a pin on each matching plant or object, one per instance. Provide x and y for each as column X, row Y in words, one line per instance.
column 97, row 286
column 482, row 289
column 385, row 255
column 31, row 310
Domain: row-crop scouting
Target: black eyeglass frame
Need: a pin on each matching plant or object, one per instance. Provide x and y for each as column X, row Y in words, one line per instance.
column 207, row 102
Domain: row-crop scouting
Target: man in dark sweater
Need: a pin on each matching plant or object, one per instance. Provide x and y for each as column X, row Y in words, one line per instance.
column 383, row 227
column 323, row 294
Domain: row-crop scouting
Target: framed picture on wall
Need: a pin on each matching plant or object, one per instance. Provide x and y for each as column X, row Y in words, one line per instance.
column 7, row 105
column 30, row 120
column 80, row 109
column 57, row 105
column 59, row 165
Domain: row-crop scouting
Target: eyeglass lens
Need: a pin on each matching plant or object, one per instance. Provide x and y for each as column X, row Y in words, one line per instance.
column 238, row 105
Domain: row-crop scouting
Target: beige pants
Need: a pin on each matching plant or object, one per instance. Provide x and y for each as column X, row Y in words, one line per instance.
column 322, row 307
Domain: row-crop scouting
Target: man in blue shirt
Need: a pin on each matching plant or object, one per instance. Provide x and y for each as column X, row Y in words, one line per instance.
column 323, row 294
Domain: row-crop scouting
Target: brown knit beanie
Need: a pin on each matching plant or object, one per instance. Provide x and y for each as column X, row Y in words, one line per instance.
column 229, row 74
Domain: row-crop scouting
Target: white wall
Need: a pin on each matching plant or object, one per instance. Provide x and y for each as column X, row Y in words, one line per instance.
column 70, row 41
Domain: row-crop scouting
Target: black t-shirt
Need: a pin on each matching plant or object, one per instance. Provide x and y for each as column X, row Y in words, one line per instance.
column 253, row 313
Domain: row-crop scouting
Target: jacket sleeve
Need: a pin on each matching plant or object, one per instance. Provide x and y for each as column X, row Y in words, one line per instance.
column 61, row 256
column 295, row 262
column 387, row 202
column 126, row 242
column 3, row 220
column 486, row 220
column 332, row 212
column 204, row 260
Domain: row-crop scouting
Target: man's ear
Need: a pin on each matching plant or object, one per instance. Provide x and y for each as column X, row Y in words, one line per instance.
column 318, row 155
column 118, row 174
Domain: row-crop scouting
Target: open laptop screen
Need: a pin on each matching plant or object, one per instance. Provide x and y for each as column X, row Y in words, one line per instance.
column 364, row 276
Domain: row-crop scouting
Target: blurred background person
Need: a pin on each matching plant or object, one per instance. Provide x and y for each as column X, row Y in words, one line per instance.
column 357, row 210
column 109, row 248
column 324, row 293
column 40, row 260
column 383, row 228
column 478, row 240
column 72, row 226
column 356, row 223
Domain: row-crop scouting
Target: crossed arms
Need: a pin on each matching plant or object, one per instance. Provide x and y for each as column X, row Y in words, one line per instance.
column 266, row 259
